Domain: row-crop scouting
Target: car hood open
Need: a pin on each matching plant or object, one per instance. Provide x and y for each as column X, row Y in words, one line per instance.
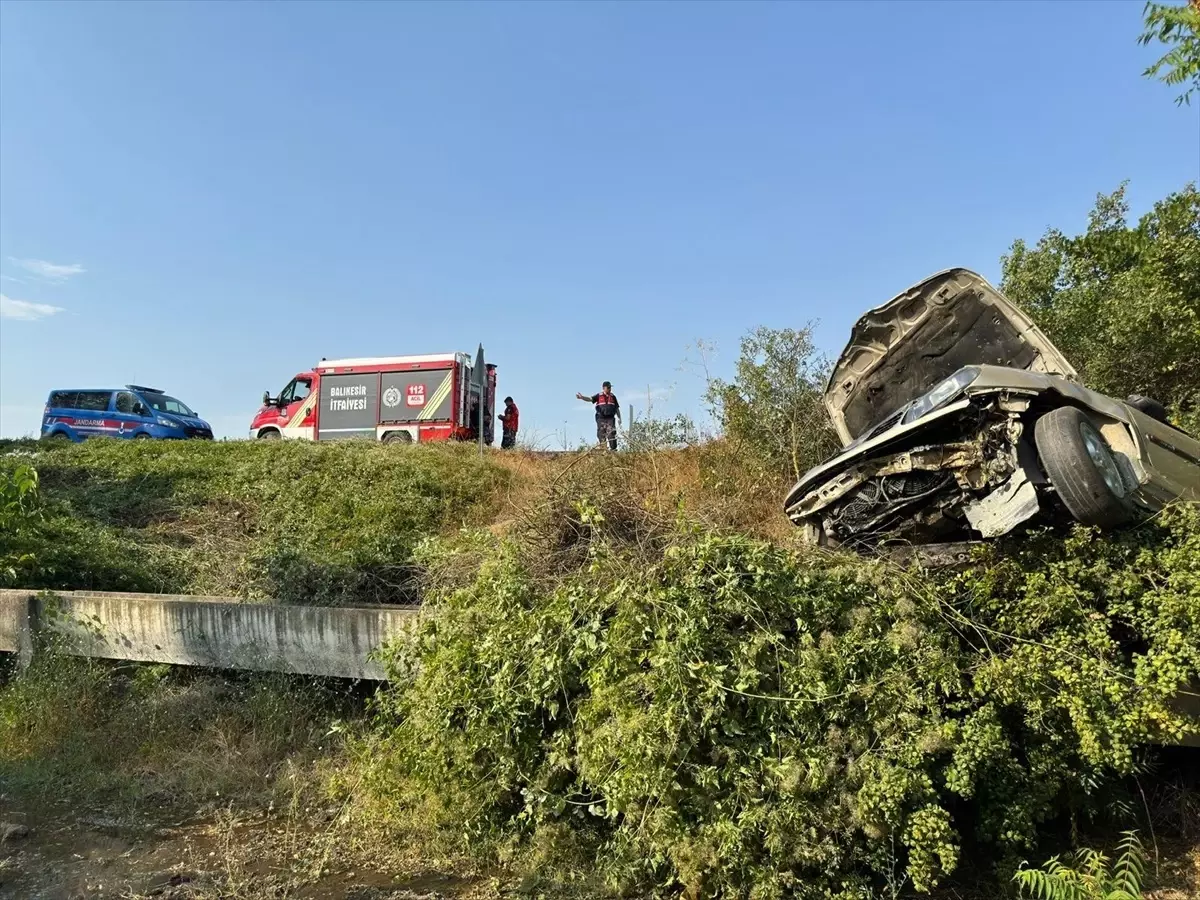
column 903, row 348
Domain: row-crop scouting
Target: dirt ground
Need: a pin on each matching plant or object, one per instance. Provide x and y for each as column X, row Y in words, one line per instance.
column 65, row 854
column 61, row 853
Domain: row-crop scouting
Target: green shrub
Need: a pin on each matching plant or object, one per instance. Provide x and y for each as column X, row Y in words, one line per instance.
column 708, row 712
column 18, row 510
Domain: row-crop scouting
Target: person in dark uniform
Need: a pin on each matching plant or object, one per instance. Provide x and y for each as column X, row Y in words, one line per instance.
column 608, row 414
column 509, row 421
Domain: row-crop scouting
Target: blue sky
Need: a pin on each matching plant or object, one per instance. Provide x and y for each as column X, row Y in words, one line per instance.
column 210, row 197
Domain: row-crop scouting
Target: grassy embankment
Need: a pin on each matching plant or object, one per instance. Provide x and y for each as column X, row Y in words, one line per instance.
column 630, row 680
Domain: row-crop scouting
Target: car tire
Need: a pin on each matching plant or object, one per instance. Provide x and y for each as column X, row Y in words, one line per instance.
column 397, row 437
column 1082, row 468
column 141, row 437
column 269, row 435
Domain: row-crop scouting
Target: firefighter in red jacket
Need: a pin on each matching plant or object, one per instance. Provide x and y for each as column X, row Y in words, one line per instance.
column 509, row 422
column 608, row 414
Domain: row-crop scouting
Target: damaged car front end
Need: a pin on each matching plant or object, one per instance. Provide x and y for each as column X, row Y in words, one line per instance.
column 960, row 420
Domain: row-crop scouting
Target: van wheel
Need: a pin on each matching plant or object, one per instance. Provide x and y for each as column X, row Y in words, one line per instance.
column 141, row 437
column 269, row 435
column 397, row 437
column 1082, row 468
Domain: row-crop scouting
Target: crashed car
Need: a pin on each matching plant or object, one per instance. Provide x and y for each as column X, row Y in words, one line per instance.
column 960, row 420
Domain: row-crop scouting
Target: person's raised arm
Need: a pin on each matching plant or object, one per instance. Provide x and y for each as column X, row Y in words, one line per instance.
column 584, row 398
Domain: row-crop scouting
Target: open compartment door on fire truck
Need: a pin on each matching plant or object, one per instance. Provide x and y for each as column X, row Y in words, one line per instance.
column 471, row 394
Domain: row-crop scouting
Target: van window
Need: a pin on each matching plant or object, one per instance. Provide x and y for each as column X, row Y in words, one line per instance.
column 166, row 404
column 92, row 400
column 126, row 403
column 62, row 400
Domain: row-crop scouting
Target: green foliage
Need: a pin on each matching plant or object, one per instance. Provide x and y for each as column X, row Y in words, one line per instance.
column 18, row 511
column 1121, row 302
column 773, row 409
column 1179, row 28
column 300, row 522
column 708, row 712
column 1091, row 877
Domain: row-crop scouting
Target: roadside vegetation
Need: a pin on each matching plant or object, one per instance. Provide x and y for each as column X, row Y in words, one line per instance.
column 628, row 678
column 611, row 697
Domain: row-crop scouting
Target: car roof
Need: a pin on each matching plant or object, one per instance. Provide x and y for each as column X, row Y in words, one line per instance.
column 101, row 390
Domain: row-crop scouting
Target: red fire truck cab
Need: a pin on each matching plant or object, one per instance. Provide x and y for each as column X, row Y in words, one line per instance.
column 404, row 399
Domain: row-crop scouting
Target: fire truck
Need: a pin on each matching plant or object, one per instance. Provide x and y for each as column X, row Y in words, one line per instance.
column 393, row 399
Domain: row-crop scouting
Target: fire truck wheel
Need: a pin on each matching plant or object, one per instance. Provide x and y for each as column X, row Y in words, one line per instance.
column 397, row 437
column 269, row 435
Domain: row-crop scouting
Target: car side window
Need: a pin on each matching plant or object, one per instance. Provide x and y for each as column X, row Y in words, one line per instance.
column 93, row 401
column 126, row 403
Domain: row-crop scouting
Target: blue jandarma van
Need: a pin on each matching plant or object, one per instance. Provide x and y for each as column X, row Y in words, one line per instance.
column 132, row 412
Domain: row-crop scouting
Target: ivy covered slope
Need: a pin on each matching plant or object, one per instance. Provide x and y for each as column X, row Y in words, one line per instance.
column 708, row 712
column 300, row 522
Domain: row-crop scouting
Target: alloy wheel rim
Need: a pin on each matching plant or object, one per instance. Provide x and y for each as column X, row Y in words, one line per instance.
column 1103, row 459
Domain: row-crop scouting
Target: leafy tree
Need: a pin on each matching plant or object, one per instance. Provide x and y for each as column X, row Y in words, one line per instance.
column 1179, row 28
column 1122, row 302
column 774, row 407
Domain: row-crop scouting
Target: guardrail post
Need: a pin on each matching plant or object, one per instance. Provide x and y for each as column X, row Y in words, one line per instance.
column 28, row 626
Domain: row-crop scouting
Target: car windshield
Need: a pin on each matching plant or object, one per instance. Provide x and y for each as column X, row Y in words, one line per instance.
column 163, row 403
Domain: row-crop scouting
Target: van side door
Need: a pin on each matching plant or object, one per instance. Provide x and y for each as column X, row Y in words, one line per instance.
column 131, row 414
column 92, row 416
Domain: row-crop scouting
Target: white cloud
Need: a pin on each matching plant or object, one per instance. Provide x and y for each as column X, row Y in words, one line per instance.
column 12, row 278
column 52, row 272
column 25, row 310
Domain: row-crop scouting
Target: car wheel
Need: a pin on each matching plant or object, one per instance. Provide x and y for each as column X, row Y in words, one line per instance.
column 1082, row 468
column 141, row 437
column 269, row 435
column 397, row 437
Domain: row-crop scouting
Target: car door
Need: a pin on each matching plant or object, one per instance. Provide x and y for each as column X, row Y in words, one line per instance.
column 1171, row 457
column 131, row 414
column 296, row 413
column 92, row 416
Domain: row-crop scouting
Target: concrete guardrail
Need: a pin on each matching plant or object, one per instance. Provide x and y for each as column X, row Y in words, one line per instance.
column 216, row 632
